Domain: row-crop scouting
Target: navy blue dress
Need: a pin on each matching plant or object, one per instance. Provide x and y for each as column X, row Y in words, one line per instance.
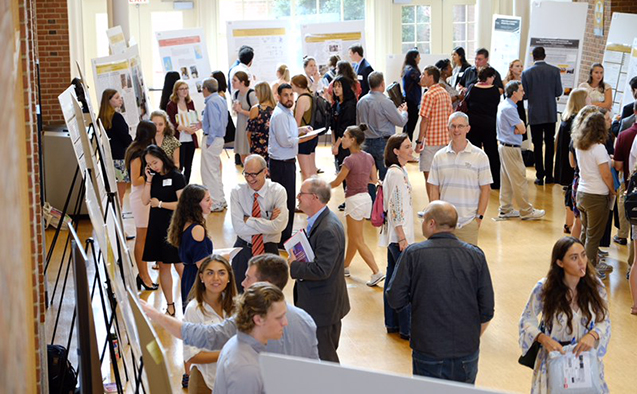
column 191, row 251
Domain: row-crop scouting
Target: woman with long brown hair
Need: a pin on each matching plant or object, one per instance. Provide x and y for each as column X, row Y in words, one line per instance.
column 165, row 137
column 574, row 307
column 303, row 115
column 183, row 116
column 212, row 301
column 600, row 93
column 118, row 135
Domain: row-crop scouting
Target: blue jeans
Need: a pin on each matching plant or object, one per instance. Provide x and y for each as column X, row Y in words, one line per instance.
column 376, row 148
column 461, row 369
column 395, row 320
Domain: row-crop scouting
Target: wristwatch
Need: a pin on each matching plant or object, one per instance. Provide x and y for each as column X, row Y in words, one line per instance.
column 480, row 217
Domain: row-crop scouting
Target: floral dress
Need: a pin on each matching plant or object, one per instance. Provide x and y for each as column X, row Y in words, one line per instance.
column 529, row 331
column 397, row 202
column 259, row 129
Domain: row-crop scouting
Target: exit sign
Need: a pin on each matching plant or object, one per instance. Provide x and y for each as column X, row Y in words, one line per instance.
column 137, row 1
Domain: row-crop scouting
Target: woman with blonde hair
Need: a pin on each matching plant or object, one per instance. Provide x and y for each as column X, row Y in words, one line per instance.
column 165, row 137
column 118, row 135
column 515, row 74
column 283, row 76
column 211, row 302
column 596, row 187
column 243, row 99
column 259, row 122
column 181, row 113
column 564, row 173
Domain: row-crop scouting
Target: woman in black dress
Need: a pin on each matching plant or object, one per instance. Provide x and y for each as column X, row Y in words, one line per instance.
column 163, row 187
column 411, row 89
column 482, row 103
column 343, row 116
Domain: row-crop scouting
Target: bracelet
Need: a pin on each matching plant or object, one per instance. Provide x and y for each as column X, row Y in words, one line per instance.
column 149, row 183
column 159, row 205
column 401, row 240
column 592, row 334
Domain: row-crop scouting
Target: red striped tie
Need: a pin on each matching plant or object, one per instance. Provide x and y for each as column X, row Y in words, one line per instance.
column 257, row 239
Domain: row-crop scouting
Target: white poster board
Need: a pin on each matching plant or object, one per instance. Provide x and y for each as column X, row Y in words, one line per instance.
column 322, row 40
column 617, row 55
column 505, row 42
column 631, row 72
column 185, row 51
column 116, row 40
column 123, row 72
column 562, row 41
column 270, row 42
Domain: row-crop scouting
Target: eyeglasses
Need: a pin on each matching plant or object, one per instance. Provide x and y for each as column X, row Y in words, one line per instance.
column 252, row 174
column 302, row 193
column 460, row 126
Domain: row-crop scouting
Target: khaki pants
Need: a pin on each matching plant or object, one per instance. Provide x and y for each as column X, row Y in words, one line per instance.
column 513, row 184
column 594, row 214
column 624, row 226
column 468, row 233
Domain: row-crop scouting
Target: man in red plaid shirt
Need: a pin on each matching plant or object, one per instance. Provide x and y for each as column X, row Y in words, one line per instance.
column 435, row 110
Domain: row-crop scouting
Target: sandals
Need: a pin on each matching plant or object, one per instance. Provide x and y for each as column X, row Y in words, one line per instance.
column 168, row 309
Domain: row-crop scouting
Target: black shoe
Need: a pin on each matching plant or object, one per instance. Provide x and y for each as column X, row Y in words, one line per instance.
column 405, row 337
column 549, row 180
column 319, row 171
column 539, row 182
column 342, row 208
column 184, row 380
column 391, row 330
column 621, row 241
column 140, row 284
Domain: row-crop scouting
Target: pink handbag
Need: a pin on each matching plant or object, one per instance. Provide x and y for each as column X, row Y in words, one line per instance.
column 378, row 211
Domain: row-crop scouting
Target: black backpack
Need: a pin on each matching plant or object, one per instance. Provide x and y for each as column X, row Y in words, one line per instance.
column 62, row 375
column 321, row 113
column 630, row 203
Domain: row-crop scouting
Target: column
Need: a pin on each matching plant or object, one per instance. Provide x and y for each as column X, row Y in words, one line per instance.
column 522, row 8
column 118, row 15
column 484, row 20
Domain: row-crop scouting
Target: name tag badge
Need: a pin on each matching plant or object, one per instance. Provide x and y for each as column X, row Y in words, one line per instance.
column 360, row 77
column 167, row 182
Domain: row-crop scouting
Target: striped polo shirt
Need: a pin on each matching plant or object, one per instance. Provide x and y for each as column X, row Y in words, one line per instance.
column 459, row 177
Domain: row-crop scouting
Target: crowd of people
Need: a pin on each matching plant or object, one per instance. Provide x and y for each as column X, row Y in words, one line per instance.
column 472, row 126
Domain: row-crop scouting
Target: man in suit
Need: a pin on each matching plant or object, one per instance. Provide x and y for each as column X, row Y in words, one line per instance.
column 543, row 85
column 362, row 68
column 320, row 284
column 627, row 117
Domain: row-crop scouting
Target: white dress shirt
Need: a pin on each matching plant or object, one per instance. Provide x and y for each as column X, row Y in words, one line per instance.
column 271, row 196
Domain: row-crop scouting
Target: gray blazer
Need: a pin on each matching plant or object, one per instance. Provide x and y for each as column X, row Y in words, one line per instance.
column 320, row 285
column 542, row 85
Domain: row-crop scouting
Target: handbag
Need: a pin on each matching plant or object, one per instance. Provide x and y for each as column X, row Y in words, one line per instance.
column 464, row 104
column 230, row 130
column 528, row 359
column 378, row 212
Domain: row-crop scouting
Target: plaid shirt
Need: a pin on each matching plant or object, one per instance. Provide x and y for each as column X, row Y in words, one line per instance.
column 436, row 107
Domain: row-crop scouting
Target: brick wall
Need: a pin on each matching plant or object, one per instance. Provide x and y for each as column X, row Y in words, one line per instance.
column 626, row 6
column 30, row 50
column 593, row 51
column 53, row 52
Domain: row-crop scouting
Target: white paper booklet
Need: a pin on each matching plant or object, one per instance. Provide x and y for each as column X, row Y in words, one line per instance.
column 299, row 245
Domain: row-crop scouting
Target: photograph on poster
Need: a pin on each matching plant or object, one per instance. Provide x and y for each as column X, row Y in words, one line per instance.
column 322, row 40
column 561, row 53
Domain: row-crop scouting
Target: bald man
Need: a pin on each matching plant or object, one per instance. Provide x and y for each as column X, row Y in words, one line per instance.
column 448, row 285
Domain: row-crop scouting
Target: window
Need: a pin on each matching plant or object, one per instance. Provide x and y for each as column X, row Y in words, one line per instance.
column 336, row 10
column 101, row 25
column 464, row 27
column 416, row 28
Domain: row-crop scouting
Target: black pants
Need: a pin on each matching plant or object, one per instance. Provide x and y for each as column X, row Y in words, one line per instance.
column 240, row 261
column 412, row 119
column 544, row 132
column 487, row 141
column 328, row 338
column 284, row 173
column 186, row 154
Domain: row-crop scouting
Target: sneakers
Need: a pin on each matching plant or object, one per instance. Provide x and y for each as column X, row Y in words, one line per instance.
column 618, row 240
column 341, row 207
column 346, row 270
column 534, row 215
column 602, row 253
column 421, row 214
column 376, row 279
column 604, row 268
column 219, row 207
column 511, row 214
column 601, row 275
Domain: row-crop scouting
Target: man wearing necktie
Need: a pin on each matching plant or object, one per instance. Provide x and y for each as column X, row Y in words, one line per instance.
column 259, row 215
column 362, row 68
column 320, row 284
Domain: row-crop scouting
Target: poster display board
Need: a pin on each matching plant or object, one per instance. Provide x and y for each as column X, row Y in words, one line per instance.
column 116, row 40
column 617, row 55
column 631, row 72
column 123, row 72
column 322, row 40
column 270, row 42
column 185, row 52
column 562, row 41
column 505, row 42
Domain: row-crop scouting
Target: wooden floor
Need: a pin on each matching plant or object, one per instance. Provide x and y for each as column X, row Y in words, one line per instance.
column 518, row 254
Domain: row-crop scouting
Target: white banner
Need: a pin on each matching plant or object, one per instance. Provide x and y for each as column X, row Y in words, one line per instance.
column 505, row 42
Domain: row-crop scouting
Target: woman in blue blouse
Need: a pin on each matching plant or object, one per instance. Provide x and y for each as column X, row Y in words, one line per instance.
column 411, row 89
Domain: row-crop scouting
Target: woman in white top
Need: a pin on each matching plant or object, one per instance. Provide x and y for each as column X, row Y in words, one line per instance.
column 595, row 188
column 398, row 231
column 312, row 74
column 243, row 99
column 211, row 302
column 600, row 93
column 574, row 308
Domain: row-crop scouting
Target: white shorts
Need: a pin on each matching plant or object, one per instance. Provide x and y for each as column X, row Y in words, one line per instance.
column 359, row 206
column 427, row 156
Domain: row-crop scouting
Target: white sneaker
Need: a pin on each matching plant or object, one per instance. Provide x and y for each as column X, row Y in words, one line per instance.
column 219, row 207
column 534, row 215
column 376, row 279
column 603, row 267
column 421, row 214
column 346, row 270
column 511, row 214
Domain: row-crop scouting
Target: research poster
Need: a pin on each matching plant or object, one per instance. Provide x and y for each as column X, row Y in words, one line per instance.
column 617, row 57
column 270, row 43
column 185, row 52
column 631, row 72
column 116, row 40
column 322, row 40
column 123, row 72
column 562, row 53
column 505, row 42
